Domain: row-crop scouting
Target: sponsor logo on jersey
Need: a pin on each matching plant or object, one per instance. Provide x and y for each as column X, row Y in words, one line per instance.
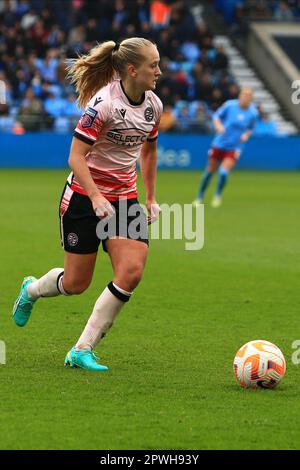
column 124, row 137
column 98, row 100
column 88, row 118
column 122, row 112
column 149, row 114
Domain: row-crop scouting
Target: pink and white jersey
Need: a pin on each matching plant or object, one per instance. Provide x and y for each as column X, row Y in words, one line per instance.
column 116, row 128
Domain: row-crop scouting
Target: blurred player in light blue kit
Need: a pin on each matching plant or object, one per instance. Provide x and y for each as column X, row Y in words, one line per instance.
column 234, row 122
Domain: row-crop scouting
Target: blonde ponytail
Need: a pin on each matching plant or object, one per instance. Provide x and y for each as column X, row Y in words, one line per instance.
column 104, row 62
column 92, row 71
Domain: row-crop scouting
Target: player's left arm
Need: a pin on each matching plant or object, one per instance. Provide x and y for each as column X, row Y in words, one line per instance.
column 148, row 164
column 246, row 136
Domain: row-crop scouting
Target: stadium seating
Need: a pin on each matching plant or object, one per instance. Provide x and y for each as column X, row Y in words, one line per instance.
column 37, row 37
column 199, row 74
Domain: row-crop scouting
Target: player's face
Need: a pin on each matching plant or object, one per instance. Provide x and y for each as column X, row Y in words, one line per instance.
column 148, row 72
column 245, row 98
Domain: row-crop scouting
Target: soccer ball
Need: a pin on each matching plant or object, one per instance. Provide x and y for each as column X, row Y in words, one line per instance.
column 259, row 364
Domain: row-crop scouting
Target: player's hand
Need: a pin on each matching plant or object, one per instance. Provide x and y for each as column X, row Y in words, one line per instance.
column 220, row 129
column 244, row 137
column 102, row 207
column 153, row 211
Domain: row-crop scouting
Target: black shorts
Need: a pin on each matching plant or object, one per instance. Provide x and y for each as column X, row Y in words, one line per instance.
column 82, row 231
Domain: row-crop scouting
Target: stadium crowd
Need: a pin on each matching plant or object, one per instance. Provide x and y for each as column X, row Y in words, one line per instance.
column 36, row 37
column 237, row 13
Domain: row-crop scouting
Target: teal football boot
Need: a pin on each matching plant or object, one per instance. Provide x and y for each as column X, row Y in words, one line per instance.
column 23, row 305
column 84, row 359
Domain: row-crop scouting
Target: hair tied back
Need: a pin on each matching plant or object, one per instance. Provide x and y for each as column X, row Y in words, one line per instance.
column 116, row 48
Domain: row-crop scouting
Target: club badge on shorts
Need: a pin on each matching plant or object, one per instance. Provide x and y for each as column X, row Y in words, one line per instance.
column 72, row 239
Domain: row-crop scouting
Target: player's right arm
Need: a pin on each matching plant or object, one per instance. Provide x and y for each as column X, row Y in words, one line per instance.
column 219, row 126
column 77, row 162
column 218, row 118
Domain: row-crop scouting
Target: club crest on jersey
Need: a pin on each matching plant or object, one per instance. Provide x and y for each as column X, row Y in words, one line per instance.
column 149, row 114
column 88, row 118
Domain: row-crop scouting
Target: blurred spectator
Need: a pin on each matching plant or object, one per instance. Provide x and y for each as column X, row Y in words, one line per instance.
column 159, row 14
column 264, row 125
column 54, row 105
column 232, row 92
column 237, row 12
column 76, row 39
column 201, row 121
column 91, row 30
column 261, row 10
column 29, row 19
column 48, row 66
column 164, row 40
column 183, row 117
column 204, row 88
column 190, row 51
column 168, row 122
column 228, row 8
column 217, row 99
column 220, row 60
column 201, row 34
column 31, row 112
column 4, row 109
column 71, row 111
column 61, row 70
column 283, row 12
column 297, row 10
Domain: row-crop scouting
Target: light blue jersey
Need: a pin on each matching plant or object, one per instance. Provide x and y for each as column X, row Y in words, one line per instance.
column 236, row 121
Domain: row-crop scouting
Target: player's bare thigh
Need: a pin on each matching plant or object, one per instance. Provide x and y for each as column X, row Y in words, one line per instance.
column 78, row 271
column 213, row 163
column 128, row 258
column 228, row 163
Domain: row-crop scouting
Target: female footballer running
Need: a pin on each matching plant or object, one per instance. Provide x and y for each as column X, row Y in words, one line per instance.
column 234, row 122
column 115, row 84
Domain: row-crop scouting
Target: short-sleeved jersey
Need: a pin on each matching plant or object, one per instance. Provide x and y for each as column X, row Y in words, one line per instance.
column 116, row 128
column 236, row 121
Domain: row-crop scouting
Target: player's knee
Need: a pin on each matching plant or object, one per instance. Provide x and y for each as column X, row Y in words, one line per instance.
column 135, row 279
column 75, row 286
column 131, row 276
column 224, row 171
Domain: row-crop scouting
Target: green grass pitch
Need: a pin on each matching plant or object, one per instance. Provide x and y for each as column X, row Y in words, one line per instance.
column 170, row 353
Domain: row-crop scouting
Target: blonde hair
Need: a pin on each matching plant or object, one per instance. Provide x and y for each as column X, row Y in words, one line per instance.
column 102, row 64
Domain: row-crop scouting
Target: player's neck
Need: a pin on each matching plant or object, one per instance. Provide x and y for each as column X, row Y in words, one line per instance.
column 244, row 106
column 133, row 95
